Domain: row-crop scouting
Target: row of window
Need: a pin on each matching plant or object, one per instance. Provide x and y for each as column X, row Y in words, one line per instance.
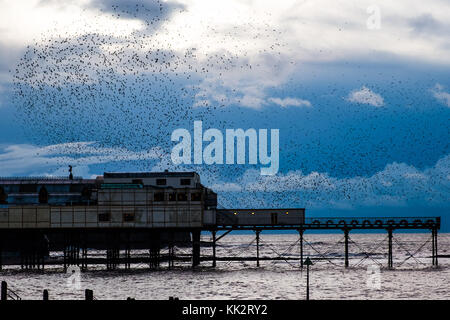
column 106, row 217
column 163, row 182
column 33, row 188
column 176, row 196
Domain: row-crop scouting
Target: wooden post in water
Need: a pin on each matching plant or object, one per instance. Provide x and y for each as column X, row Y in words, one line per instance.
column 4, row 294
column 45, row 295
column 89, row 295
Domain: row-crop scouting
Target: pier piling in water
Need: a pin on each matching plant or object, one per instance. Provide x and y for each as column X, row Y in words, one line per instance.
column 346, row 232
column 45, row 295
column 390, row 258
column 301, row 232
column 213, row 233
column 257, row 246
column 434, row 246
column 195, row 248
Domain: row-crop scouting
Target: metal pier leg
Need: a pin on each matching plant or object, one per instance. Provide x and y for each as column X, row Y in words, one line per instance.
column 195, row 248
column 433, row 252
column 346, row 231
column 214, row 247
column 65, row 257
column 84, row 258
column 154, row 248
column 390, row 259
column 108, row 267
column 127, row 252
column 434, row 234
column 301, row 231
column 257, row 247
column 436, row 246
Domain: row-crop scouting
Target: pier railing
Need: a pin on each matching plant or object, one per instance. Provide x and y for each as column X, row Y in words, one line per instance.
column 367, row 223
column 374, row 222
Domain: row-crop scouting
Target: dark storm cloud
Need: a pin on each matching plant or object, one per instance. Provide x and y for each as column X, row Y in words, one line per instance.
column 142, row 10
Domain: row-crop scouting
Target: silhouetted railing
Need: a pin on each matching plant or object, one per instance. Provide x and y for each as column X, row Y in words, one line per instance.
column 374, row 222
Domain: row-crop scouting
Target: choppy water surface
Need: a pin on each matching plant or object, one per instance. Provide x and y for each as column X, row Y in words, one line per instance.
column 413, row 277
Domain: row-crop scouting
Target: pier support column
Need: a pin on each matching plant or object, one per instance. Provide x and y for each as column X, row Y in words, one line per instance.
column 71, row 250
column 84, row 258
column 346, row 231
column 195, row 248
column 434, row 245
column 127, row 258
column 171, row 250
column 390, row 259
column 300, row 232
column 127, row 253
column 257, row 247
column 214, row 247
column 112, row 249
column 433, row 253
column 154, row 249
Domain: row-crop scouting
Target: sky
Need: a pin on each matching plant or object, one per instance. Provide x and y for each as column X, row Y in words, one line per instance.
column 359, row 90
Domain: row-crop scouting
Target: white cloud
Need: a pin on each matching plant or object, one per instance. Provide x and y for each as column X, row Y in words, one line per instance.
column 441, row 95
column 25, row 159
column 398, row 184
column 366, row 96
column 287, row 102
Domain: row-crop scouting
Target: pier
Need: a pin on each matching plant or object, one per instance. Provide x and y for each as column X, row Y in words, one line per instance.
column 139, row 218
column 119, row 243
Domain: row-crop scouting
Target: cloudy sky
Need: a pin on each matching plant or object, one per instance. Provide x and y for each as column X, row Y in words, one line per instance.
column 360, row 91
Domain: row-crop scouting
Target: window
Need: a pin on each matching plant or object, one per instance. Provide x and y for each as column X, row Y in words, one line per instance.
column 28, row 188
column 159, row 196
column 182, row 197
column 137, row 181
column 75, row 188
column 104, row 217
column 128, row 217
column 185, row 182
column 161, row 182
column 274, row 218
column 172, row 197
column 3, row 196
column 86, row 192
column 196, row 196
column 43, row 195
